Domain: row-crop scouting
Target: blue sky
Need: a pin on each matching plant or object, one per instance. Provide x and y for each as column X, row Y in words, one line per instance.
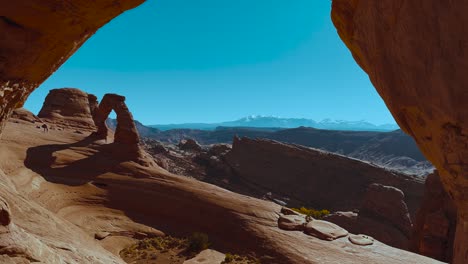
column 182, row 61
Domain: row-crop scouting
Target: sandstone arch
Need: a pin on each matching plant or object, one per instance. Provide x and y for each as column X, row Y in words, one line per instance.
column 415, row 52
column 126, row 132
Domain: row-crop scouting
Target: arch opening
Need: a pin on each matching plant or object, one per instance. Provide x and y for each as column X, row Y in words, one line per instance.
column 125, row 132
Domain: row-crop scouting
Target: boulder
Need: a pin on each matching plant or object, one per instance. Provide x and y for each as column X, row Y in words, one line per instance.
column 387, row 203
column 361, row 240
column 207, row 256
column 434, row 228
column 291, row 222
column 289, row 211
column 363, row 224
column 324, row 230
column 69, row 106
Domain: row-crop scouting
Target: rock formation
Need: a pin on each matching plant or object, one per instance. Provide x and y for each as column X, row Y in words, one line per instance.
column 314, row 178
column 69, row 106
column 434, row 228
column 125, row 132
column 383, row 215
column 37, row 37
column 25, row 115
column 189, row 145
column 415, row 54
column 387, row 203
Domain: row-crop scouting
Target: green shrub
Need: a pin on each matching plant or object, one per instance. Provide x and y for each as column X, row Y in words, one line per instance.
column 198, row 242
column 229, row 258
column 312, row 212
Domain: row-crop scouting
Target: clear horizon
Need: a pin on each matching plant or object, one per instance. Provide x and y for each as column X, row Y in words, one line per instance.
column 215, row 61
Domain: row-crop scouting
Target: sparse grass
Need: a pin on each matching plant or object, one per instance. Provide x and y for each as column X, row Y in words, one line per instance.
column 178, row 249
column 317, row 214
column 148, row 249
column 170, row 249
column 237, row 259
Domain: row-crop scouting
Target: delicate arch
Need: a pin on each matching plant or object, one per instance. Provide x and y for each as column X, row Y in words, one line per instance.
column 126, row 132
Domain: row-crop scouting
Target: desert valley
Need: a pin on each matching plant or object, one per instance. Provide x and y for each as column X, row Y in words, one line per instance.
column 81, row 187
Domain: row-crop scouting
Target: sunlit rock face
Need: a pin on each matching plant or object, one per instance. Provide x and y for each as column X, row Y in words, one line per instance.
column 36, row 37
column 126, row 132
column 416, row 55
column 70, row 106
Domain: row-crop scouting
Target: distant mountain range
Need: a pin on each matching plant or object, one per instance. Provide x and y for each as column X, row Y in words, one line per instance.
column 271, row 121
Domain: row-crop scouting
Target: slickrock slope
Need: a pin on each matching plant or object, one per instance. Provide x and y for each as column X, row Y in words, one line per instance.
column 318, row 178
column 70, row 107
column 415, row 53
column 82, row 182
column 38, row 36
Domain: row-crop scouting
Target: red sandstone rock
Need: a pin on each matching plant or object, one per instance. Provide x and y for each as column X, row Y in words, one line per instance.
column 361, row 240
column 25, row 115
column 292, row 222
column 379, row 229
column 126, row 132
column 415, row 54
column 434, row 228
column 69, row 106
column 324, row 230
column 38, row 36
column 387, row 203
column 313, row 176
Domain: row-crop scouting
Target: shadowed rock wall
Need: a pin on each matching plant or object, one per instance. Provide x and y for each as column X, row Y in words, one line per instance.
column 416, row 55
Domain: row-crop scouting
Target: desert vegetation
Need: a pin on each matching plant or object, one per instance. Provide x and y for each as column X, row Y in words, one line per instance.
column 166, row 249
column 317, row 214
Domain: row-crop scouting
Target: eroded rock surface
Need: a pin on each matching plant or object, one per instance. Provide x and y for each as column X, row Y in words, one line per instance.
column 126, row 132
column 434, row 228
column 291, row 222
column 25, row 115
column 388, row 204
column 314, row 177
column 415, row 53
column 69, row 106
column 38, row 36
column 383, row 215
column 325, row 230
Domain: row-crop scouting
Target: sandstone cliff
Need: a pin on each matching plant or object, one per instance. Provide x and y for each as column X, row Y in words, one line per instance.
column 315, row 177
column 415, row 54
